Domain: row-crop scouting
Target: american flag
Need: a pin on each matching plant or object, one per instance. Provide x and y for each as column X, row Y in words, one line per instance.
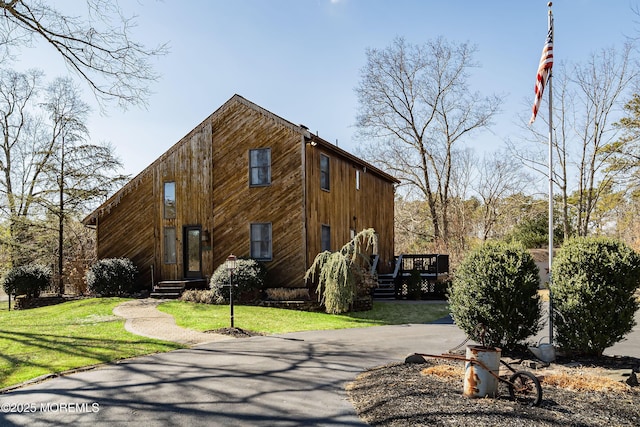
column 544, row 69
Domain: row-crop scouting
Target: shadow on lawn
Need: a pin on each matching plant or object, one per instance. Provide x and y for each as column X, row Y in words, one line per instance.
column 87, row 351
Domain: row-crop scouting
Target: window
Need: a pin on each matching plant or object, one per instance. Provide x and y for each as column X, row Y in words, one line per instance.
column 169, row 200
column 261, row 241
column 325, row 177
column 357, row 179
column 260, row 167
column 169, row 245
column 326, row 238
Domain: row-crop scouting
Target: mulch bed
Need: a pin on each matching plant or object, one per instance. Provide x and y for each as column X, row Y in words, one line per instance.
column 235, row 332
column 402, row 395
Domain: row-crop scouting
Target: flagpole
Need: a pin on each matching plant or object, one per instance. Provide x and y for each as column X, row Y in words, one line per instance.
column 549, row 83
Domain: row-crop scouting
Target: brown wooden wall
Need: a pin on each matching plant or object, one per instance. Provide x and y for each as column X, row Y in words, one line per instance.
column 344, row 207
column 127, row 228
column 210, row 167
column 189, row 164
column 236, row 205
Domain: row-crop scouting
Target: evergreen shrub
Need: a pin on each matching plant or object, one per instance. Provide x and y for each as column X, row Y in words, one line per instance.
column 593, row 286
column 111, row 277
column 29, row 280
column 494, row 295
column 248, row 281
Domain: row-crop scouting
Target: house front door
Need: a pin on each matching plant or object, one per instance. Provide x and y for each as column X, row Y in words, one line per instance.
column 192, row 252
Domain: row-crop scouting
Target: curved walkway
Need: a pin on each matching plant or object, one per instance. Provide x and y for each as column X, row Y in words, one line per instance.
column 143, row 318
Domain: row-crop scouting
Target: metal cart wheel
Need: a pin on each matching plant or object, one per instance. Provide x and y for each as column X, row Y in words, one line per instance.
column 525, row 388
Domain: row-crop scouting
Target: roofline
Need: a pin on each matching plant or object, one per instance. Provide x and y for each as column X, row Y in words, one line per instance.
column 114, row 200
column 366, row 165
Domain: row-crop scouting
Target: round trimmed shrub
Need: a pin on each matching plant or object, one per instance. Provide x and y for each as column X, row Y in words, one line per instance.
column 248, row 281
column 29, row 280
column 111, row 277
column 494, row 295
column 594, row 280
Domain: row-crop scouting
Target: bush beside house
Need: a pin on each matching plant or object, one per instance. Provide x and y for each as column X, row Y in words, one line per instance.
column 248, row 282
column 111, row 277
column 342, row 280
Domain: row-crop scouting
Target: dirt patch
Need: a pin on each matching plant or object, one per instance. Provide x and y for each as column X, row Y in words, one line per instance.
column 234, row 332
column 430, row 394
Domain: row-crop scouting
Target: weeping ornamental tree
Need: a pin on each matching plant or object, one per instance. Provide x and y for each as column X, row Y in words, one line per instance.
column 338, row 274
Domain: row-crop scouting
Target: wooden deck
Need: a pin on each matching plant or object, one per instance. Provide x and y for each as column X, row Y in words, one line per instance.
column 415, row 276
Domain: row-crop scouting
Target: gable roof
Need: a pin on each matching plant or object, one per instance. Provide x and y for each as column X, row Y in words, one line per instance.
column 114, row 200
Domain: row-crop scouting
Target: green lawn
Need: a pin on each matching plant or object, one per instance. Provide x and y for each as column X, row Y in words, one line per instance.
column 86, row 332
column 66, row 336
column 204, row 317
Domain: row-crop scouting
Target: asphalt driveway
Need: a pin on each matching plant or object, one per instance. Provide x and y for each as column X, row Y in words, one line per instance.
column 287, row 380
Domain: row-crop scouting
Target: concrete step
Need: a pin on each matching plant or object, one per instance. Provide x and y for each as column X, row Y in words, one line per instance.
column 169, row 289
column 166, row 295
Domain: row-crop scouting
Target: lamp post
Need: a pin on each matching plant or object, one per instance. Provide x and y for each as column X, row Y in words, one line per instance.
column 231, row 268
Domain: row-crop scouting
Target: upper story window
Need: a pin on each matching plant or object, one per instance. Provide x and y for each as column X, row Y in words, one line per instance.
column 260, row 166
column 357, row 179
column 169, row 200
column 261, row 248
column 325, row 172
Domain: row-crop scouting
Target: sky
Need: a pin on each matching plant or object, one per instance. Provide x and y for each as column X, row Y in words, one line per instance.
column 301, row 59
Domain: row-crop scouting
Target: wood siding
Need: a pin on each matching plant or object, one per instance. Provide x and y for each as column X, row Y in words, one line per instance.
column 237, row 205
column 125, row 228
column 210, row 168
column 344, row 207
column 190, row 165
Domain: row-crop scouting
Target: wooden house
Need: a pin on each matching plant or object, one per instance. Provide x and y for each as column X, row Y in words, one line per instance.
column 247, row 182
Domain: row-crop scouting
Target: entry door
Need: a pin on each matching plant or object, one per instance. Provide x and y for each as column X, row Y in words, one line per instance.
column 192, row 252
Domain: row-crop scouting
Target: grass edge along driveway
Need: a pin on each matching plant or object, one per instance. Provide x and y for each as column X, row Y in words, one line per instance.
column 268, row 320
column 82, row 333
column 67, row 336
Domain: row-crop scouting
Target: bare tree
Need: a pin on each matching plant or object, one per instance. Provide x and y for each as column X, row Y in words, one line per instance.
column 601, row 83
column 99, row 48
column 77, row 172
column 50, row 169
column 19, row 143
column 499, row 179
column 588, row 96
column 415, row 106
column 462, row 207
column 411, row 228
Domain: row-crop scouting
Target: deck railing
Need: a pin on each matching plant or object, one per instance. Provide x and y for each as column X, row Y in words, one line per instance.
column 433, row 269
